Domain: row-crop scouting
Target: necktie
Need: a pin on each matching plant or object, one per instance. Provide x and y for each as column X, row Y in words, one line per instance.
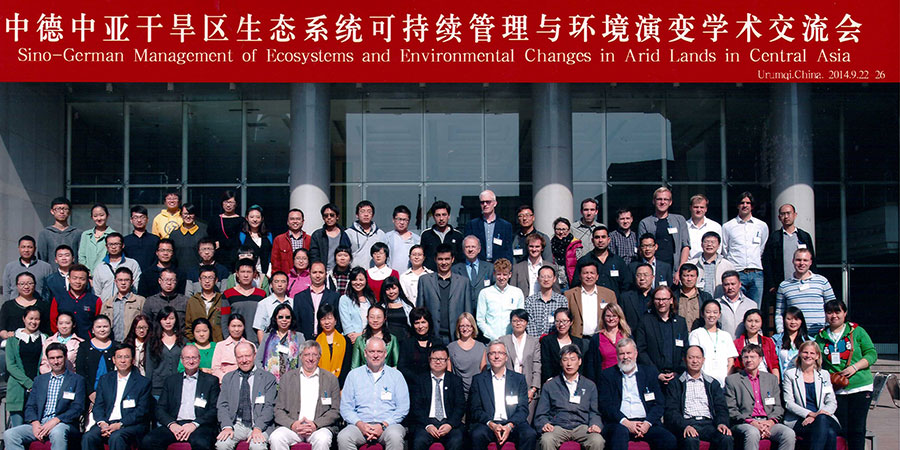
column 472, row 272
column 438, row 399
column 245, row 407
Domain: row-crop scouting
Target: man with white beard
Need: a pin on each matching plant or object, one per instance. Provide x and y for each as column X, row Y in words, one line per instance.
column 634, row 403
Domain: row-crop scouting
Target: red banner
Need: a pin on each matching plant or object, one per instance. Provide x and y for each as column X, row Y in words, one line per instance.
column 462, row 41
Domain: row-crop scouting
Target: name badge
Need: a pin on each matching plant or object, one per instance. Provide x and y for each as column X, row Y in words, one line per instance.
column 128, row 403
column 518, row 252
column 673, row 230
column 603, row 305
column 550, row 319
column 835, row 358
column 261, row 400
column 803, row 286
column 200, row 402
column 498, row 241
column 701, row 282
column 756, row 240
column 679, row 343
column 663, row 283
column 512, row 400
column 613, row 273
column 69, row 395
column 87, row 308
column 386, row 396
column 801, row 245
column 575, row 399
column 769, row 401
column 649, row 396
column 487, row 283
column 635, row 250
column 326, row 401
column 283, row 349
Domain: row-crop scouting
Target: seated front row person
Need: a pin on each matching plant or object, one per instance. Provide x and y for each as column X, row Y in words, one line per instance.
column 438, row 405
column 187, row 406
column 122, row 406
column 633, row 402
column 754, row 403
column 374, row 402
column 696, row 408
column 568, row 409
column 52, row 417
column 307, row 408
column 246, row 407
column 498, row 404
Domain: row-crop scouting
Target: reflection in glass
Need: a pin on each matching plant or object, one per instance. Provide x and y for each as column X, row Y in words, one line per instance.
column 155, row 143
column 214, row 142
column 268, row 141
column 97, row 143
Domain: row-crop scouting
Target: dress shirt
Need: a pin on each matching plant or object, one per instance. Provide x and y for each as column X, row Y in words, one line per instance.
column 758, row 409
column 188, row 392
column 493, row 309
column 116, row 413
column 264, row 310
column 309, row 394
column 533, row 270
column 541, row 312
column 499, row 386
column 472, row 269
column 622, row 245
column 717, row 348
column 489, row 238
column 519, row 345
column 696, row 403
column 589, row 311
column 53, row 388
column 399, row 249
column 743, row 242
column 632, row 407
column 707, row 279
column 409, row 282
column 696, row 233
column 362, row 398
column 437, row 384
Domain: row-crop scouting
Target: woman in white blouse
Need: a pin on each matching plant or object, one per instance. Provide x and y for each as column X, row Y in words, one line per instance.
column 717, row 344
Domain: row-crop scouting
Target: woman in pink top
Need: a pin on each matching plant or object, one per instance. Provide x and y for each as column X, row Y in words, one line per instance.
column 223, row 358
column 601, row 351
column 64, row 335
column 298, row 279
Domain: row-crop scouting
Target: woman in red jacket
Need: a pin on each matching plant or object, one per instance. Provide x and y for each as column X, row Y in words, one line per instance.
column 752, row 335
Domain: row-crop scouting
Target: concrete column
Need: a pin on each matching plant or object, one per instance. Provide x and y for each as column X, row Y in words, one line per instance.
column 791, row 154
column 310, row 150
column 551, row 153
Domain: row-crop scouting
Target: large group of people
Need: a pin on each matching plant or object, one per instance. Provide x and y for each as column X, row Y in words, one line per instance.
column 218, row 333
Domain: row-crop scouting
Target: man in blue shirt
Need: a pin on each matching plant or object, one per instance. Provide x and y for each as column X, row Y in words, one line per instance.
column 495, row 234
column 374, row 402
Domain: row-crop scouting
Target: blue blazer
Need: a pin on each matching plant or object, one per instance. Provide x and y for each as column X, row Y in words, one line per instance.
column 611, row 392
column 68, row 410
column 502, row 230
column 481, row 398
column 137, row 389
column 306, row 315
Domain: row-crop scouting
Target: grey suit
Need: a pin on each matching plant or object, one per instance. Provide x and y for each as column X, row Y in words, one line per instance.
column 794, row 391
column 531, row 360
column 740, row 400
column 429, row 297
column 485, row 273
column 263, row 390
column 519, row 277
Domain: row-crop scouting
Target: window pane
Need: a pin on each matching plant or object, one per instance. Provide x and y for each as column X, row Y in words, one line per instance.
column 871, row 135
column 696, row 139
column 509, row 197
column 84, row 199
column 637, row 198
column 872, row 225
column 155, row 143
column 503, row 151
column 453, row 142
column 637, row 137
column 826, row 136
column 346, row 198
column 214, row 142
column 581, row 191
column 274, row 202
column 97, row 143
column 268, row 141
column 587, row 145
column 385, row 198
column 745, row 119
column 867, row 302
column 346, row 140
column 828, row 224
column 392, row 131
column 462, row 198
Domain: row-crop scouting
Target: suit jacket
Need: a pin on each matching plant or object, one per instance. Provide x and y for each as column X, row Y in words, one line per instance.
column 650, row 340
column 306, row 315
column 429, row 297
column 170, row 400
column 592, row 364
column 287, row 404
column 634, row 305
column 531, row 360
column 739, row 396
column 264, row 385
column 485, row 273
column 793, row 388
column 550, row 364
column 68, row 410
column 422, row 392
column 502, row 231
column 773, row 257
column 611, row 393
column 137, row 389
column 676, row 396
column 663, row 272
column 481, row 398
column 574, row 296
column 519, row 277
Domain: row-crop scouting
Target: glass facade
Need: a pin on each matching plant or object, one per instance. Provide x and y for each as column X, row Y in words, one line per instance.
column 413, row 144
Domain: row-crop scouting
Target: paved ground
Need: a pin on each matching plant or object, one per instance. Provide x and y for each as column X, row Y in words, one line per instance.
column 884, row 421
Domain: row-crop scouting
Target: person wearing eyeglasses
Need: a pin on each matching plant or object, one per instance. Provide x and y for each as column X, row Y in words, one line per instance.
column 494, row 233
column 400, row 240
column 525, row 219
column 103, row 276
column 438, row 405
column 327, row 239
column 59, row 233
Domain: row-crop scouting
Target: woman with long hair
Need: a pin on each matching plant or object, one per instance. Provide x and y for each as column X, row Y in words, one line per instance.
column 335, row 347
column 377, row 326
column 601, row 352
column 717, row 344
column 279, row 351
column 467, row 355
column 397, row 306
column 753, row 335
column 416, row 349
column 255, row 235
column 65, row 335
column 225, row 228
column 137, row 338
column 163, row 349
column 809, row 399
column 787, row 344
column 23, row 358
column 223, row 357
column 355, row 303
column 556, row 339
column 92, row 247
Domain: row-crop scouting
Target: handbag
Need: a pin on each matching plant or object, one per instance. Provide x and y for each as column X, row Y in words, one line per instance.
column 839, row 381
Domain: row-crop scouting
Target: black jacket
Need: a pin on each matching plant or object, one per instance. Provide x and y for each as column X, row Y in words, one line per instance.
column 634, row 304
column 675, row 399
column 204, row 401
column 647, row 383
column 421, row 394
column 772, row 257
column 431, row 240
column 650, row 341
column 318, row 244
column 550, row 365
column 306, row 316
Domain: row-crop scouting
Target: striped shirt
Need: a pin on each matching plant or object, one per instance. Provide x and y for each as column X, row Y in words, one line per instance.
column 54, row 386
column 624, row 246
column 809, row 295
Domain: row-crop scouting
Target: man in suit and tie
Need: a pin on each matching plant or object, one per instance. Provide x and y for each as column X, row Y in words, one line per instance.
column 662, row 271
column 122, row 406
column 525, row 272
column 445, row 294
column 307, row 302
column 524, row 353
column 498, row 404
column 54, row 407
column 495, row 234
column 633, row 403
column 480, row 274
column 187, row 407
column 307, row 407
column 246, row 406
column 438, row 405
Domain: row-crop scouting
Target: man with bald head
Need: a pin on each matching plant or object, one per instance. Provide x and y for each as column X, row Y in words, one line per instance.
column 374, row 402
column 247, row 403
column 494, row 233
